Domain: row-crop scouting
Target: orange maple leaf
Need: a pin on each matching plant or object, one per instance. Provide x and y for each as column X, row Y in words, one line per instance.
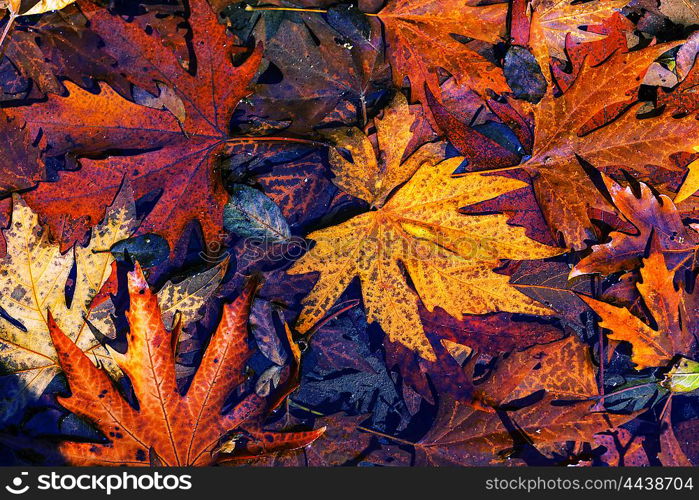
column 651, row 346
column 419, row 39
column 168, row 428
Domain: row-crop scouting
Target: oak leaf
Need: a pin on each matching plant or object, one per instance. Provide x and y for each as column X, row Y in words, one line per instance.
column 33, row 277
column 627, row 141
column 178, row 155
column 178, row 429
column 651, row 346
column 690, row 185
column 449, row 257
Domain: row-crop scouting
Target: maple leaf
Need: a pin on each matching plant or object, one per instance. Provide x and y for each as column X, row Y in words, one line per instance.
column 19, row 166
column 562, row 370
column 177, row 155
column 448, row 256
column 419, row 42
column 56, row 46
column 563, row 189
column 33, row 277
column 339, row 444
column 625, row 141
column 312, row 93
column 651, row 346
column 44, row 6
column 555, row 22
column 651, row 215
column 177, row 429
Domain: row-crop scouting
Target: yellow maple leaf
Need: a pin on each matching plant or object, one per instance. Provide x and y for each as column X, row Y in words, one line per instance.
column 15, row 6
column 33, row 278
column 448, row 256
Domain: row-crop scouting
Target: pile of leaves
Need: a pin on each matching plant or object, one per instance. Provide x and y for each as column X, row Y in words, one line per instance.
column 318, row 233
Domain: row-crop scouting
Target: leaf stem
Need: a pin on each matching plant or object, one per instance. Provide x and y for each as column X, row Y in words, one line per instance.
column 493, row 171
column 359, row 427
column 6, row 31
column 310, row 142
column 250, row 8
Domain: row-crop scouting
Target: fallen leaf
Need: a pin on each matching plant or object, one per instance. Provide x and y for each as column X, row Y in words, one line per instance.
column 651, row 346
column 173, row 154
column 448, row 256
column 33, row 278
column 46, row 5
column 649, row 214
column 560, row 372
column 420, row 42
column 20, row 164
column 251, row 214
column 553, row 22
column 179, row 429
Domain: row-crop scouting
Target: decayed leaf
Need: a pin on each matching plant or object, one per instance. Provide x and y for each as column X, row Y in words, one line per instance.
column 683, row 377
column 448, row 256
column 568, row 131
column 33, row 278
column 651, row 346
column 419, row 40
column 179, row 155
column 650, row 214
column 180, row 301
column 179, row 429
column 553, row 21
column 563, row 370
column 251, row 214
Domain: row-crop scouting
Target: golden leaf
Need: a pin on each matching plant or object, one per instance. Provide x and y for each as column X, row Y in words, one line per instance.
column 448, row 256
column 33, row 278
column 46, row 5
column 691, row 181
